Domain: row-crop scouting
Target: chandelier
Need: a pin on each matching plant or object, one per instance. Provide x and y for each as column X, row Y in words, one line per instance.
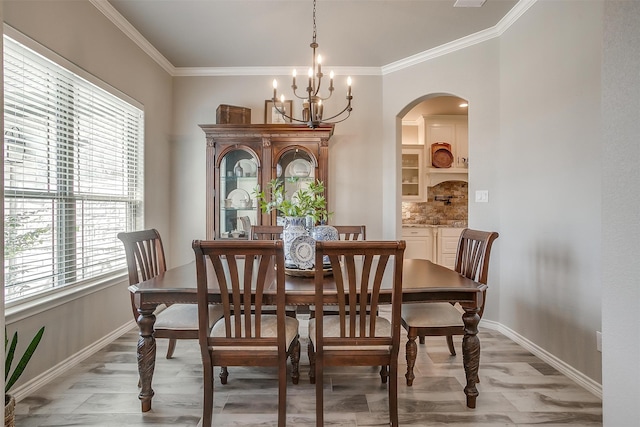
column 312, row 105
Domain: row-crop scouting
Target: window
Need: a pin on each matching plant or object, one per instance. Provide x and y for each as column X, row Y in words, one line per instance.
column 73, row 175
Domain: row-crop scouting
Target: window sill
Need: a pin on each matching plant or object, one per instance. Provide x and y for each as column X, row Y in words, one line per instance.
column 19, row 310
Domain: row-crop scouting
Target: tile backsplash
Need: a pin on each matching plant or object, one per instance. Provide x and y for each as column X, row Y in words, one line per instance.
column 447, row 203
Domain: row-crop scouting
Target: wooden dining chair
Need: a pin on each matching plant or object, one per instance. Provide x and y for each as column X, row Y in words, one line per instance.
column 444, row 319
column 145, row 259
column 356, row 336
column 351, row 232
column 245, row 272
column 266, row 232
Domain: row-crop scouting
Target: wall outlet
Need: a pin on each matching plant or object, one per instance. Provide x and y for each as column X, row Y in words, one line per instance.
column 482, row 196
column 407, row 214
column 599, row 341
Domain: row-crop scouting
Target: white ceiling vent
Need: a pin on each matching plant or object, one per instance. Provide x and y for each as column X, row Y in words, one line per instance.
column 469, row 3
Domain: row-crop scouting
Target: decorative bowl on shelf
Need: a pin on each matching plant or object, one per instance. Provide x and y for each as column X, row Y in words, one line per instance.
column 245, row 203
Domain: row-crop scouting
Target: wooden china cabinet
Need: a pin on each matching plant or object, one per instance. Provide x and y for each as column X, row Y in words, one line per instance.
column 241, row 157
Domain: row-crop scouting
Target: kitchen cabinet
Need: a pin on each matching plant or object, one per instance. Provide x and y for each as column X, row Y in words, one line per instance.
column 452, row 130
column 420, row 243
column 241, row 157
column 413, row 182
column 447, row 246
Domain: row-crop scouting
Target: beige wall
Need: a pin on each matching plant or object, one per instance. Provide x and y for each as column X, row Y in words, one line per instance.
column 84, row 36
column 550, row 180
column 620, row 213
column 535, row 143
column 355, row 153
column 534, row 138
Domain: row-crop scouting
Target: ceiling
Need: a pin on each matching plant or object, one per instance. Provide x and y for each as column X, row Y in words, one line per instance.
column 277, row 33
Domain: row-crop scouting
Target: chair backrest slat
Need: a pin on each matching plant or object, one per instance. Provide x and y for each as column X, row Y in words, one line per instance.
column 265, row 232
column 359, row 271
column 145, row 257
column 472, row 256
column 244, row 270
column 351, row 232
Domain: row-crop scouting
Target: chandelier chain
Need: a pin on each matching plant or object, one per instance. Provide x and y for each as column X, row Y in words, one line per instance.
column 314, row 21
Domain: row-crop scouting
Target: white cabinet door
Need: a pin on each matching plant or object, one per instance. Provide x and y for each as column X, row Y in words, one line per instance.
column 448, row 246
column 419, row 243
column 461, row 153
column 413, row 177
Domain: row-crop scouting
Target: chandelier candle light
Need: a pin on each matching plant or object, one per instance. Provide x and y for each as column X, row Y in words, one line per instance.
column 312, row 106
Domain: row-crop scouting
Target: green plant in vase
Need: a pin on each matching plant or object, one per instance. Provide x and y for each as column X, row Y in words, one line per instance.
column 304, row 202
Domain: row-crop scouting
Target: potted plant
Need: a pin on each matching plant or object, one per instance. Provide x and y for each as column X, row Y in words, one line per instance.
column 10, row 380
column 306, row 201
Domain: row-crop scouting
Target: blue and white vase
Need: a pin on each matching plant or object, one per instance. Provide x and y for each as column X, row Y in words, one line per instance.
column 293, row 227
column 324, row 232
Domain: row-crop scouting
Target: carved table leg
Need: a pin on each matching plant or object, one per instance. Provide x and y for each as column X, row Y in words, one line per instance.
column 412, row 353
column 471, row 353
column 146, row 356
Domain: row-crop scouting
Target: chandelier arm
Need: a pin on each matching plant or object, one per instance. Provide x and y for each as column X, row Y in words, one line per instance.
column 338, row 121
column 284, row 114
column 347, row 109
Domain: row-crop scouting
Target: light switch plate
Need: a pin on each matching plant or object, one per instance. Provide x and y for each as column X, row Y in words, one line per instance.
column 482, row 196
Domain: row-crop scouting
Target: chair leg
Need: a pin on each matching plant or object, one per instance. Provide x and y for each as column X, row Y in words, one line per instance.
column 282, row 391
column 319, row 381
column 295, row 362
column 207, row 404
column 452, row 350
column 171, row 348
column 421, row 340
column 384, row 373
column 312, row 363
column 412, row 352
column 224, row 374
column 393, row 394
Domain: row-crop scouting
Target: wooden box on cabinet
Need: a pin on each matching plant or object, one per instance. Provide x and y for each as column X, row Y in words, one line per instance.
column 231, row 114
column 271, row 148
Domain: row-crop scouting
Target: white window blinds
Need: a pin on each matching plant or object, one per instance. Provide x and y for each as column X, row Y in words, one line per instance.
column 73, row 175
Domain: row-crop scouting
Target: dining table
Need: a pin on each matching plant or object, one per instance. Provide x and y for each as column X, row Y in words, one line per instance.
column 422, row 281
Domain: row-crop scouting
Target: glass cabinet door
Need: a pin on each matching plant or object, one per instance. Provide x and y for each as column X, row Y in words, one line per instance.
column 412, row 176
column 297, row 169
column 238, row 206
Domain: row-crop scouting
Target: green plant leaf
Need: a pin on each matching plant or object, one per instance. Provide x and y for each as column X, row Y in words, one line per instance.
column 24, row 360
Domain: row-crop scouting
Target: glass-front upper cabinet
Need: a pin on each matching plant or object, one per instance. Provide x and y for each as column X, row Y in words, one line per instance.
column 412, row 174
column 239, row 174
column 296, row 168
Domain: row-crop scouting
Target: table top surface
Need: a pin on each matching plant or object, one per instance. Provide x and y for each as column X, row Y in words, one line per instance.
column 420, row 277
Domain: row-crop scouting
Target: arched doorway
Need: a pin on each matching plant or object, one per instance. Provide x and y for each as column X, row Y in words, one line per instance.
column 434, row 175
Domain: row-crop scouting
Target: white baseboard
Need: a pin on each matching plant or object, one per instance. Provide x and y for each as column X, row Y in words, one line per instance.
column 31, row 386
column 585, row 382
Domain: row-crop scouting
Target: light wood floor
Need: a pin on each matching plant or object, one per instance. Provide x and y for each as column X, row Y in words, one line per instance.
column 516, row 389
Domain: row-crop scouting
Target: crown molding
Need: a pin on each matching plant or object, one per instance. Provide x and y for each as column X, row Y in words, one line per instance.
column 129, row 30
column 267, row 71
column 481, row 36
